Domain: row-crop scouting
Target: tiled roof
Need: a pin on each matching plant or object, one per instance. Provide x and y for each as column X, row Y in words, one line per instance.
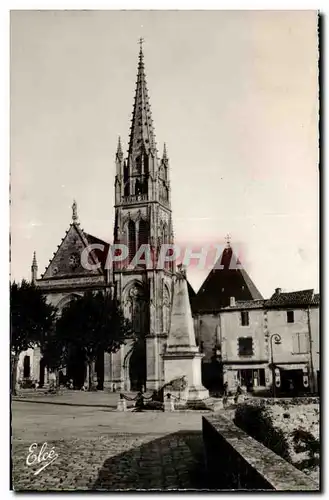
column 225, row 282
column 247, row 304
column 301, row 297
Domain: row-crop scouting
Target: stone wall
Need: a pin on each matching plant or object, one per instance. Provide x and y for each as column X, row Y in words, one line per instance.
column 234, row 460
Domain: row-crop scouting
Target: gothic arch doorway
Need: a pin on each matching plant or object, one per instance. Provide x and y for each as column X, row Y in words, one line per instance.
column 135, row 367
column 136, row 310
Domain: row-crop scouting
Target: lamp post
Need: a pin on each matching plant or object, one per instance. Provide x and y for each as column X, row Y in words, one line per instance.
column 277, row 341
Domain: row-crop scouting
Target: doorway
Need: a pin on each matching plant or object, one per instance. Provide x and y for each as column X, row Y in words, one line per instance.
column 137, row 367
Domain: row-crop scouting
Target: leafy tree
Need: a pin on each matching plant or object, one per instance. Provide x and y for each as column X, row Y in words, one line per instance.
column 93, row 323
column 54, row 352
column 31, row 319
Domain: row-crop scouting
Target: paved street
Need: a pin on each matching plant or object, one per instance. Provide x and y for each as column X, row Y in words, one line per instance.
column 99, row 448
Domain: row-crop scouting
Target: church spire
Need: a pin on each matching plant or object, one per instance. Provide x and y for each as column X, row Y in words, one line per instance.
column 119, row 153
column 142, row 138
column 34, row 268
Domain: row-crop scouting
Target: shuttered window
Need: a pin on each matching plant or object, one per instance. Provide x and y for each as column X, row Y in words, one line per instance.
column 300, row 343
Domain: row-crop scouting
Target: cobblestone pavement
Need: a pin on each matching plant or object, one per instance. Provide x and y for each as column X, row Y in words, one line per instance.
column 99, row 448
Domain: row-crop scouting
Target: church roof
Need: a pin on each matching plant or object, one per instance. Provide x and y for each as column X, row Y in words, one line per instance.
column 142, row 136
column 227, row 279
column 67, row 260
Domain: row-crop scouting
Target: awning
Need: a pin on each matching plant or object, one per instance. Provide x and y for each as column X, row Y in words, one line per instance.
column 291, row 366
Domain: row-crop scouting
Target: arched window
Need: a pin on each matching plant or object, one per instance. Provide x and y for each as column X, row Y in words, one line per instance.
column 126, row 189
column 138, row 187
column 165, row 233
column 143, row 235
column 135, row 309
column 26, row 367
column 146, row 165
column 131, row 240
column 166, row 310
column 139, row 164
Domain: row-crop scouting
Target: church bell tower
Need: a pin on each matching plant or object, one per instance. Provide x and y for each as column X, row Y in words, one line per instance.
column 143, row 217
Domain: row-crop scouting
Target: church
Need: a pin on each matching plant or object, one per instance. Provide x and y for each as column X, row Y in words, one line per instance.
column 233, row 350
column 142, row 216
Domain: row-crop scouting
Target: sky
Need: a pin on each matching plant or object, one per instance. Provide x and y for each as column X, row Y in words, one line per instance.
column 234, row 94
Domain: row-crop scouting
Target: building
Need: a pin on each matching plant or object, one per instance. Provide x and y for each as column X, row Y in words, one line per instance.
column 255, row 342
column 232, row 321
column 142, row 216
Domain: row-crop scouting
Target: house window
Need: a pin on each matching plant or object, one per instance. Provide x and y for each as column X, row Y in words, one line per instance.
column 300, row 343
column 244, row 318
column 290, row 317
column 245, row 346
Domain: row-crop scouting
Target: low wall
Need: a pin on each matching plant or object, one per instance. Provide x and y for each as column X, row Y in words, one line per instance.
column 234, row 460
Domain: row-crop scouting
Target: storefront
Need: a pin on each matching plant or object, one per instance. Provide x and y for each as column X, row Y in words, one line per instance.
column 253, row 377
column 294, row 378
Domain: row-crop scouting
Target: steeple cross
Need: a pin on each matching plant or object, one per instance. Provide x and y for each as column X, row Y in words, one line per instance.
column 228, row 240
column 141, row 41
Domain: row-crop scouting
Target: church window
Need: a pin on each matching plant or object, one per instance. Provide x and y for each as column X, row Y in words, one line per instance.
column 143, row 233
column 135, row 309
column 166, row 310
column 131, row 240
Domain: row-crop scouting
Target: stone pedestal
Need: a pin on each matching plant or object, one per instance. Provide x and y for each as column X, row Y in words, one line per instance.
column 169, row 404
column 122, row 405
column 182, row 357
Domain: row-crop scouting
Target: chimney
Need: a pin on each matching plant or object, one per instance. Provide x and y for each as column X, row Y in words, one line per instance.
column 278, row 291
column 232, row 301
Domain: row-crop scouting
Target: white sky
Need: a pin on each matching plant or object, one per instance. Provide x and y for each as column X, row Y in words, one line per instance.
column 233, row 94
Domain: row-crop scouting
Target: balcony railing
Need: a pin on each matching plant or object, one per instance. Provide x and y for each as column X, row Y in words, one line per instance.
column 134, row 198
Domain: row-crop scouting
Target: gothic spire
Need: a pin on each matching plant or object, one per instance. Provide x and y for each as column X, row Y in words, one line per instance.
column 34, row 260
column 34, row 268
column 119, row 153
column 142, row 138
column 164, row 156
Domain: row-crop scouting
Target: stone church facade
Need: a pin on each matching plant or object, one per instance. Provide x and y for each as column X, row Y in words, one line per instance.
column 142, row 216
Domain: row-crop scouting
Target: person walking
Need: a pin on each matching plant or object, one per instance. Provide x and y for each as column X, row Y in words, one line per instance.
column 237, row 394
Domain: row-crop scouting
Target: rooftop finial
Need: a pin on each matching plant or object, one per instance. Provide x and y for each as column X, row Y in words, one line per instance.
column 119, row 149
column 228, row 241
column 164, row 156
column 75, row 212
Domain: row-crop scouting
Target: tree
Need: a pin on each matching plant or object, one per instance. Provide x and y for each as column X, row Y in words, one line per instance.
column 31, row 319
column 93, row 323
column 54, row 352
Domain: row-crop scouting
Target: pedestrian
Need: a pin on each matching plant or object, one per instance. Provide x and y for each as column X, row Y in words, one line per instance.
column 237, row 394
column 225, row 394
column 139, row 405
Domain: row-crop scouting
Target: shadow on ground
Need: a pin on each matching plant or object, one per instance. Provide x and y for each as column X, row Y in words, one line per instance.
column 175, row 461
